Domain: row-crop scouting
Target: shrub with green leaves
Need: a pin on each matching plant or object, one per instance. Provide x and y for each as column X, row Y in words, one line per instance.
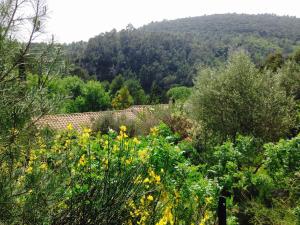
column 239, row 99
column 180, row 93
column 263, row 181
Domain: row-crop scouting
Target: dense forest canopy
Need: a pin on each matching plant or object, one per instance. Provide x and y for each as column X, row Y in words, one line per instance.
column 168, row 53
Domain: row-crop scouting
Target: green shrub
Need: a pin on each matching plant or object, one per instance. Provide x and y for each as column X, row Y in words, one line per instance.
column 156, row 114
column 263, row 180
column 238, row 98
column 180, row 93
column 123, row 99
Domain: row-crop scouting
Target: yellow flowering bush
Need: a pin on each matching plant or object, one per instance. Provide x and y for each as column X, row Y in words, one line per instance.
column 92, row 178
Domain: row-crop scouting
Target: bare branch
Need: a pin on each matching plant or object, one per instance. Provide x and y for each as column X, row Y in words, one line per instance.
column 9, row 12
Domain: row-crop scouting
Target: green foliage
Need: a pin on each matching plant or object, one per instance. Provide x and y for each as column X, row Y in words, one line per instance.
column 237, row 98
column 262, row 180
column 105, row 85
column 136, row 91
column 123, row 99
column 274, row 61
column 72, row 86
column 233, row 160
column 289, row 77
column 296, row 56
column 179, row 93
column 283, row 159
column 282, row 166
column 74, row 94
column 116, row 84
column 156, row 94
column 265, row 25
column 278, row 214
column 95, row 97
column 164, row 58
column 19, row 105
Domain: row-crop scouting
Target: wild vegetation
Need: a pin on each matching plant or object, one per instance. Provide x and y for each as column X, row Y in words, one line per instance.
column 233, row 131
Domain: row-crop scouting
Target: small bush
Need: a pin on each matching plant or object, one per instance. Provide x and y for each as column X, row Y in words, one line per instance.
column 112, row 121
column 155, row 115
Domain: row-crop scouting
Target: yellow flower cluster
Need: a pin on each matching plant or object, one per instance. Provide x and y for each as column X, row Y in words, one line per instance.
column 128, row 161
column 69, row 127
column 122, row 135
column 208, row 200
column 142, row 212
column 43, row 166
column 167, row 217
column 123, row 128
column 29, row 169
column 150, row 198
column 86, row 132
column 136, row 141
column 155, row 177
column 14, row 131
column 205, row 218
column 106, row 144
column 32, row 158
column 154, row 131
column 85, row 135
column 82, row 160
column 67, row 143
column 138, row 179
column 105, row 163
column 115, row 148
column 143, row 155
column 41, row 144
column 152, row 179
column 177, row 196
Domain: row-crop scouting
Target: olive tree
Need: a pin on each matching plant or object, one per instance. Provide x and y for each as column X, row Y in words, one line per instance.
column 238, row 98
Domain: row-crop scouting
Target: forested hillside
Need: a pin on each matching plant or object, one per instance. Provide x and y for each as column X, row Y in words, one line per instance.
column 165, row 54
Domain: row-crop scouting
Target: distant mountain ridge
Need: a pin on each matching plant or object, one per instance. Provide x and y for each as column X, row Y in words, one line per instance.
column 266, row 25
column 164, row 54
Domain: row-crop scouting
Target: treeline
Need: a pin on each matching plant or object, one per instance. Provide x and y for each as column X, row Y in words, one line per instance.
column 74, row 94
column 83, row 94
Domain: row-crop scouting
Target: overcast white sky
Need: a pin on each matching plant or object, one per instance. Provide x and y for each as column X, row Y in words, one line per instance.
column 75, row 20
